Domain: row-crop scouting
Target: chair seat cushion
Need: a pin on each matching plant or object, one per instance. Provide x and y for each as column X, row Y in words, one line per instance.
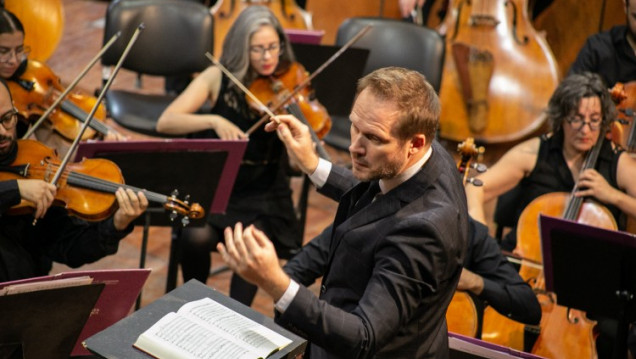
column 137, row 112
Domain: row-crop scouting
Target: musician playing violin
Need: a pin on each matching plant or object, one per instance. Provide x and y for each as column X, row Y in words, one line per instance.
column 254, row 47
column 13, row 64
column 27, row 250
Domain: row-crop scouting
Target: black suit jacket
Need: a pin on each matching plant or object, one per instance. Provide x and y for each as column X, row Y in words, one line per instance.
column 390, row 269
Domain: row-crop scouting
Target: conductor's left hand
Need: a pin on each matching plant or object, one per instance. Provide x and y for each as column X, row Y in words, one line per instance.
column 131, row 206
column 251, row 254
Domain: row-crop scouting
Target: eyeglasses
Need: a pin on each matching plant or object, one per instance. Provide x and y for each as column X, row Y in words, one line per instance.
column 273, row 49
column 9, row 119
column 578, row 123
column 21, row 53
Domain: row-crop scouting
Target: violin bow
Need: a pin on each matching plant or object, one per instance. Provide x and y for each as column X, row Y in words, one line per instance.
column 71, row 150
column 239, row 84
column 266, row 109
column 300, row 86
column 61, row 97
column 307, row 80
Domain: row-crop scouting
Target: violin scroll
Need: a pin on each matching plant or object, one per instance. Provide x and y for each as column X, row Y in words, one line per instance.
column 623, row 130
column 183, row 208
column 468, row 153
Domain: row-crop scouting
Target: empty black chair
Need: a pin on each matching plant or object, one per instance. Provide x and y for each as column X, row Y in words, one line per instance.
column 176, row 36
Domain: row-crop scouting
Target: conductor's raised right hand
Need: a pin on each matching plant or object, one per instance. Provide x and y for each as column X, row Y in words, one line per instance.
column 297, row 139
column 39, row 192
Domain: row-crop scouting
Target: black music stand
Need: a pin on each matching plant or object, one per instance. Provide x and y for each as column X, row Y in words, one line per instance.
column 205, row 169
column 591, row 269
column 45, row 323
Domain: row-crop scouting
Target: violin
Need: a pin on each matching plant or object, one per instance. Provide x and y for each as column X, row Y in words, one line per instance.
column 275, row 89
column 86, row 189
column 36, row 89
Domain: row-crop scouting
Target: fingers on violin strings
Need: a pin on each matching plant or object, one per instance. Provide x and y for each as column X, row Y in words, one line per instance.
column 121, row 200
column 143, row 200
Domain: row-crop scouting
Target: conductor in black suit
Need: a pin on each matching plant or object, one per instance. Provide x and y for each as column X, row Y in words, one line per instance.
column 392, row 258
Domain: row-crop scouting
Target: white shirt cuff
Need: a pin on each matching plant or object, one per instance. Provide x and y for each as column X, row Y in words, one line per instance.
column 289, row 295
column 320, row 175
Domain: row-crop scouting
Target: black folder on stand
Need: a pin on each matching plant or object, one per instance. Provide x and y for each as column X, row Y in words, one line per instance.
column 45, row 323
column 117, row 341
column 591, row 269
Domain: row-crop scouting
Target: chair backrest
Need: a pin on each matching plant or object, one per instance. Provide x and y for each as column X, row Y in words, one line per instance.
column 176, row 36
column 397, row 43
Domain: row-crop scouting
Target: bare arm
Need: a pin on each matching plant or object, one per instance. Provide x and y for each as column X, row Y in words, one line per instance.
column 623, row 197
column 502, row 176
column 180, row 116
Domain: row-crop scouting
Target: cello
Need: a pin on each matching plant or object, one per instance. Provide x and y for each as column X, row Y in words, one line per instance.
column 498, row 72
column 559, row 322
column 462, row 316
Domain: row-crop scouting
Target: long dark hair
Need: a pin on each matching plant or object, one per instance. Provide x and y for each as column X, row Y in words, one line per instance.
column 9, row 23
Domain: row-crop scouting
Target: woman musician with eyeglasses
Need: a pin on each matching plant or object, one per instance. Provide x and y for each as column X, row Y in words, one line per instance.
column 34, row 87
column 578, row 111
column 574, row 159
column 255, row 47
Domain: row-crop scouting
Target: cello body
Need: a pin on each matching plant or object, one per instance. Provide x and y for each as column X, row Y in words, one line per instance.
column 498, row 72
column 563, row 332
column 461, row 315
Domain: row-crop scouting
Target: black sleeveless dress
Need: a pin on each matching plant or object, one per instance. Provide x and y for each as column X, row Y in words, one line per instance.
column 261, row 191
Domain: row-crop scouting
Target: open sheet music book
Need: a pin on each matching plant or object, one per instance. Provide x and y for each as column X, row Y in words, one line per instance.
column 207, row 329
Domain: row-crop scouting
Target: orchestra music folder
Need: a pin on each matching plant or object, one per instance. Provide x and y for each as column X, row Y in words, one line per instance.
column 592, row 269
column 45, row 323
column 577, row 257
column 122, row 286
column 463, row 347
column 118, row 340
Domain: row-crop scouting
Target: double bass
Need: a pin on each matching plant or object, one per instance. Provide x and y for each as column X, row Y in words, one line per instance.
column 498, row 72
